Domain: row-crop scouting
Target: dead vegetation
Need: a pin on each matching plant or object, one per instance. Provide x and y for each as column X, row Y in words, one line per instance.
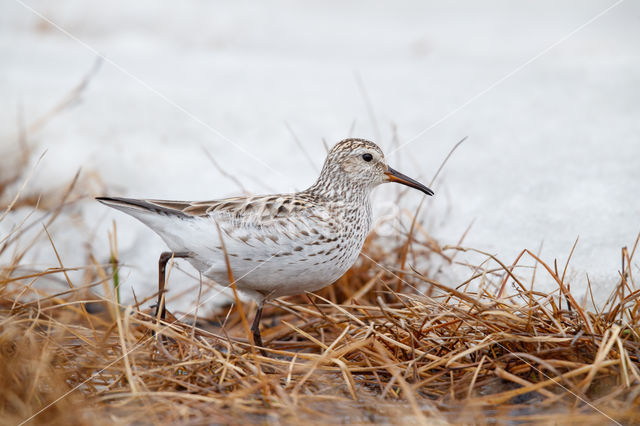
column 386, row 343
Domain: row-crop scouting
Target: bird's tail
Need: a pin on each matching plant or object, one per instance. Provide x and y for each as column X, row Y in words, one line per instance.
column 135, row 206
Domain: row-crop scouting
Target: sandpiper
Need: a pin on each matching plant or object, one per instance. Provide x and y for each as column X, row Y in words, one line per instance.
column 276, row 245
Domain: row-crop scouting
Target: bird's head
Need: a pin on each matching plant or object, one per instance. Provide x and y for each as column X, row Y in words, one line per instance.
column 360, row 163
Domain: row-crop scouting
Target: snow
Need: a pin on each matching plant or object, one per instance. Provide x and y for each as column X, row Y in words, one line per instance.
column 552, row 152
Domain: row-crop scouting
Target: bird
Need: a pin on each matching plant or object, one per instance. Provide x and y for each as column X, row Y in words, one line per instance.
column 275, row 245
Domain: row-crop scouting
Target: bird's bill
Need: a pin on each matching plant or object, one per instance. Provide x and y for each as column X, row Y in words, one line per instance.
column 396, row 176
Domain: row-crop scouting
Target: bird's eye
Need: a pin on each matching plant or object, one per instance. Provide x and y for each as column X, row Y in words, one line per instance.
column 367, row 157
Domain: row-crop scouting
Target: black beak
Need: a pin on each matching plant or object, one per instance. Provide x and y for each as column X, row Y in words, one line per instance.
column 395, row 176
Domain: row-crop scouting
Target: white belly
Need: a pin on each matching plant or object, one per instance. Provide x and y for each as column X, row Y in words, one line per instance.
column 283, row 273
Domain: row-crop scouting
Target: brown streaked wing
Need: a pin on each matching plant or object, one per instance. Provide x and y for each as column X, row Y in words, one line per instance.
column 256, row 207
column 203, row 208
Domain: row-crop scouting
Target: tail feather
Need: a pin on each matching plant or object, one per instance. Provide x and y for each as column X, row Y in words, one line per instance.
column 129, row 204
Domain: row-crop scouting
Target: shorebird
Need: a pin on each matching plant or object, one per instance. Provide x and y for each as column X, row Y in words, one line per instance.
column 275, row 245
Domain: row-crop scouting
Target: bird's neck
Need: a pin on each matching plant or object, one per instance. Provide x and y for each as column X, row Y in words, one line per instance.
column 340, row 190
column 348, row 203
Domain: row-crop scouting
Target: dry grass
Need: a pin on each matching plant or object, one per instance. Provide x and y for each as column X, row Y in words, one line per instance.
column 386, row 343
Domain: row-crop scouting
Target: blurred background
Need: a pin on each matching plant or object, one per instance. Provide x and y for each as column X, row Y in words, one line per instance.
column 141, row 98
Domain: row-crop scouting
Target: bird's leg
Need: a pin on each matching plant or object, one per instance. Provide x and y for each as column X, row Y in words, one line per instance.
column 162, row 266
column 255, row 328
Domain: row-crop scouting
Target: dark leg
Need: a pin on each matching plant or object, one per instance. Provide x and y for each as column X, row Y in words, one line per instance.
column 255, row 328
column 162, row 266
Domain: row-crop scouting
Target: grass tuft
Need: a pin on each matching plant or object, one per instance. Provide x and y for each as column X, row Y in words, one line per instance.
column 386, row 343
